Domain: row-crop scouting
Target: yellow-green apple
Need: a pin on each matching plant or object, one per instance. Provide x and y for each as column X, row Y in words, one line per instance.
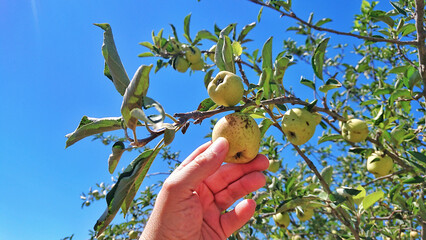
column 305, row 215
column 198, row 65
column 180, row 64
column 414, row 234
column 193, row 54
column 282, row 219
column 379, row 164
column 299, row 125
column 226, row 89
column 274, row 165
column 355, row 130
column 212, row 52
column 243, row 136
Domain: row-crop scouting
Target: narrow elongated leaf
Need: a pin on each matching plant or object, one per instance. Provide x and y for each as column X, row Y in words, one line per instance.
column 330, row 137
column 327, row 174
column 265, row 82
column 117, row 151
column 204, row 34
column 420, row 157
column 280, row 66
column 205, row 105
column 134, row 94
column 218, row 54
column 126, row 181
column 227, row 30
column 134, row 189
column 267, row 54
column 153, row 120
column 331, row 83
column 264, row 125
column 90, row 126
column 174, row 32
column 246, row 29
column 259, row 15
column 370, row 199
column 398, row 8
column 112, row 60
column 360, row 196
column 228, row 55
column 307, row 83
column 414, row 180
column 318, row 58
column 186, row 23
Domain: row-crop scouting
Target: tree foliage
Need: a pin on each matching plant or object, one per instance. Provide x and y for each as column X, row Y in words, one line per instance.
column 382, row 81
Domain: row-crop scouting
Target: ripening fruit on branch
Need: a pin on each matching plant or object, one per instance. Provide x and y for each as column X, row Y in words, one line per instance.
column 226, row 89
column 243, row 136
column 180, row 64
column 133, row 234
column 305, row 215
column 379, row 164
column 355, row 130
column 211, row 53
column 274, row 165
column 192, row 54
column 198, row 65
column 414, row 234
column 282, row 220
column 299, row 125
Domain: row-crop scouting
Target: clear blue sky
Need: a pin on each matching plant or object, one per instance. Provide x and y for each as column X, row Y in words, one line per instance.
column 52, row 74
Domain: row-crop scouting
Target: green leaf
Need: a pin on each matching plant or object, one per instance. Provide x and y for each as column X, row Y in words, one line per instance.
column 398, row 8
column 369, row 102
column 265, row 81
column 327, row 174
column 146, row 54
column 307, row 83
column 236, row 48
column 414, row 180
column 186, row 22
column 418, row 156
column 322, row 22
column 400, row 93
column 329, row 137
column 407, row 29
column 246, row 29
column 90, row 126
column 218, row 54
column 205, row 105
column 228, row 55
column 112, row 60
column 155, row 120
column 370, row 199
column 134, row 93
column 169, row 134
column 117, row 151
column 264, row 125
column 399, row 69
column 379, row 15
column 204, row 34
column 227, row 30
column 280, row 66
column 147, row 45
column 127, row 183
column 259, row 15
column 267, row 54
column 360, row 196
column 331, row 83
column 318, row 58
column 174, row 32
column 208, row 77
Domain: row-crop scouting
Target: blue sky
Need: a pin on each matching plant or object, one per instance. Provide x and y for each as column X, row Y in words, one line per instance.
column 52, row 74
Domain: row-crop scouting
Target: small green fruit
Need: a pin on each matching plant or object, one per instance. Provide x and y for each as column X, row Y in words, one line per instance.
column 198, row 65
column 133, row 234
column 226, row 89
column 274, row 165
column 299, row 125
column 355, row 130
column 243, row 136
column 180, row 64
column 414, row 234
column 305, row 215
column 379, row 164
column 193, row 54
column 282, row 220
column 211, row 53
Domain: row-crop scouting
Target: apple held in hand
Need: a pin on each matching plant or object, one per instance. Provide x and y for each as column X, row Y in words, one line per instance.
column 243, row 136
column 305, row 215
column 379, row 164
column 355, row 130
column 282, row 219
column 299, row 125
column 226, row 89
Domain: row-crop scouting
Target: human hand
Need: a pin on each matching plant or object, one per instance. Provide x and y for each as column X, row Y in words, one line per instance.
column 193, row 198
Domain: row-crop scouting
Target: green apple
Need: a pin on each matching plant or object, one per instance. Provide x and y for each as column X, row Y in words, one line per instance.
column 193, row 54
column 296, row 237
column 379, row 164
column 274, row 165
column 355, row 130
column 243, row 136
column 414, row 234
column 180, row 64
column 212, row 52
column 226, row 89
column 133, row 234
column 198, row 65
column 299, row 125
column 282, row 219
column 305, row 215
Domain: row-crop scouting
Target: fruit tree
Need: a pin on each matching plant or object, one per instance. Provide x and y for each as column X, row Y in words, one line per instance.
column 347, row 161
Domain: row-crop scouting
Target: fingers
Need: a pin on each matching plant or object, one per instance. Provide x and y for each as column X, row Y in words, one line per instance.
column 194, row 154
column 235, row 219
column 196, row 170
column 238, row 189
column 231, row 172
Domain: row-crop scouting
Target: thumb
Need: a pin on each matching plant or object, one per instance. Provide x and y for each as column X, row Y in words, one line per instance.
column 201, row 167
